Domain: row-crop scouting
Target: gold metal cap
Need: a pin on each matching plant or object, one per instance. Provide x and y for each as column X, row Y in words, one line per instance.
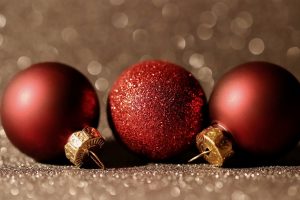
column 214, row 145
column 80, row 143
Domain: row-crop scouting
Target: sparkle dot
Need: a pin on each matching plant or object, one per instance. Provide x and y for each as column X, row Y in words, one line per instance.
column 241, row 22
column 120, row 20
column 2, row 21
column 196, row 60
column 208, row 19
column 204, row 74
column 111, row 190
column 116, row 2
column 204, row 33
column 140, row 35
column 179, row 41
column 101, row 84
column 209, row 187
column 175, row 191
column 94, row 67
column 3, row 150
column 48, row 52
column 69, row 34
column 239, row 195
column 24, row 62
column 244, row 20
column 219, row 185
column 14, row 191
column 170, row 11
column 236, row 27
column 256, row 46
column 72, row 191
column 293, row 52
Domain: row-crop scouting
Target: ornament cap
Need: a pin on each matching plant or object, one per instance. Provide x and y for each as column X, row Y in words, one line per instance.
column 79, row 146
column 215, row 145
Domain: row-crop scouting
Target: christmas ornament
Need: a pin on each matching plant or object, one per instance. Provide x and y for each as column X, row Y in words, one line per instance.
column 257, row 105
column 43, row 105
column 156, row 109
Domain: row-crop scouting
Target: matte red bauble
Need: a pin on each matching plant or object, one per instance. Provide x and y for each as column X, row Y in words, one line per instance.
column 156, row 109
column 43, row 105
column 258, row 105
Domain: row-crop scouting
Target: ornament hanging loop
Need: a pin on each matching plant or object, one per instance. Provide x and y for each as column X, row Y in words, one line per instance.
column 199, row 155
column 96, row 159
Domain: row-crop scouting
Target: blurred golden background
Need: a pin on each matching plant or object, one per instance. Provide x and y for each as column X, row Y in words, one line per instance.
column 101, row 38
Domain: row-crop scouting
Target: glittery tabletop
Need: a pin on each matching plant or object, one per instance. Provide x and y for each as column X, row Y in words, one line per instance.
column 103, row 37
column 23, row 178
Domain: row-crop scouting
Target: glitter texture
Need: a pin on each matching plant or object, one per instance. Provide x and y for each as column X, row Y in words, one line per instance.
column 156, row 109
column 102, row 37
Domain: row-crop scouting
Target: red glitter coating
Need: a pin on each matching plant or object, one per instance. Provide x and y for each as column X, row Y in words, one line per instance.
column 259, row 104
column 43, row 105
column 156, row 109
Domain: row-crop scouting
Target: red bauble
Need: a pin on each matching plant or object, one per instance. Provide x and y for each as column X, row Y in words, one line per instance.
column 43, row 105
column 259, row 104
column 156, row 109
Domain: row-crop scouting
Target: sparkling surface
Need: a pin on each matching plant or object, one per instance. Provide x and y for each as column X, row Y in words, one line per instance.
column 118, row 33
column 23, row 178
column 156, row 109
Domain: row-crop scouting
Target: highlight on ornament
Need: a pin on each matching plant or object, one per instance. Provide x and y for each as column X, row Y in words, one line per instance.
column 255, row 107
column 42, row 107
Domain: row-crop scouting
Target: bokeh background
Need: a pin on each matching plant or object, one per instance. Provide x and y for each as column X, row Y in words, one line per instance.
column 101, row 38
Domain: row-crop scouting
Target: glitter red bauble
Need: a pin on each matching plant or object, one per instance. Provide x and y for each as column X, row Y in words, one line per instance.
column 43, row 105
column 156, row 109
column 259, row 104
